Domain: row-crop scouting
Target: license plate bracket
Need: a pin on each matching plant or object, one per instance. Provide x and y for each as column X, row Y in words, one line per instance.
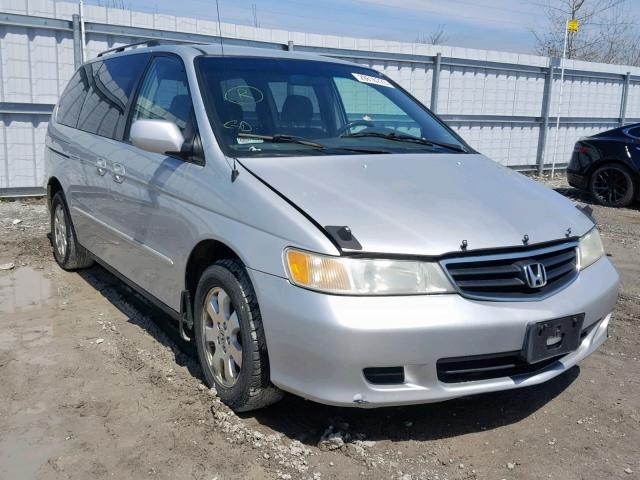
column 552, row 338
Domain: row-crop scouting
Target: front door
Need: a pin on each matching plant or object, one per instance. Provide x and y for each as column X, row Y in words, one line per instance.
column 150, row 189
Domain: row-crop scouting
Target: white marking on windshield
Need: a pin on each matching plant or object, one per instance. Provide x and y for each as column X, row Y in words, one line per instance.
column 244, row 95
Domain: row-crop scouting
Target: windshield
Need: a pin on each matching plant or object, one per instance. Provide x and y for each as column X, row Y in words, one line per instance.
column 287, row 107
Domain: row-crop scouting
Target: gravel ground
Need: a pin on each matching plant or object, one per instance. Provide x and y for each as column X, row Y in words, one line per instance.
column 94, row 384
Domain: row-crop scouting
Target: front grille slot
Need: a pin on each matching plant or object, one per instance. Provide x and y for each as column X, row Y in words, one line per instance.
column 501, row 276
column 485, row 367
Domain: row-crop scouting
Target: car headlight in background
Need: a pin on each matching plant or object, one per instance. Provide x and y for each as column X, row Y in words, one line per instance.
column 590, row 249
column 360, row 276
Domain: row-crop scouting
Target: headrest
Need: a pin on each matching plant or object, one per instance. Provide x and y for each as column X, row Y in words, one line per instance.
column 231, row 111
column 297, row 109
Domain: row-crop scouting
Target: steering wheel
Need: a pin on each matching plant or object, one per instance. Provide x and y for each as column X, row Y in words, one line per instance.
column 356, row 123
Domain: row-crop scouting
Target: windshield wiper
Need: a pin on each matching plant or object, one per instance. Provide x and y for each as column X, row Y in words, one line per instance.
column 399, row 137
column 281, row 138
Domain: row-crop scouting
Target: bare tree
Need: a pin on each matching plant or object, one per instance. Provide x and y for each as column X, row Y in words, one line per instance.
column 605, row 33
column 438, row 36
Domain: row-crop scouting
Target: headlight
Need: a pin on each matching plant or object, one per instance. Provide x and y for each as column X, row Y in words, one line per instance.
column 358, row 276
column 590, row 249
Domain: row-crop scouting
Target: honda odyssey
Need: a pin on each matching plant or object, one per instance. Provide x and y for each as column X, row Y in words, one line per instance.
column 314, row 229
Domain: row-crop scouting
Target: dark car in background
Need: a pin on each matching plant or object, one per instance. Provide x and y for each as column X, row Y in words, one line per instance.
column 608, row 166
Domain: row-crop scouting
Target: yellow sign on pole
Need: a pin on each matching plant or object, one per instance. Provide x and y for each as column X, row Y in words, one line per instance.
column 572, row 25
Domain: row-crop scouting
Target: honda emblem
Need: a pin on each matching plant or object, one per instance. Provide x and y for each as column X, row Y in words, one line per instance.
column 535, row 275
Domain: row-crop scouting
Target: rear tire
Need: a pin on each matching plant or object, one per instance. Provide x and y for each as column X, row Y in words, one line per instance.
column 69, row 254
column 230, row 339
column 612, row 186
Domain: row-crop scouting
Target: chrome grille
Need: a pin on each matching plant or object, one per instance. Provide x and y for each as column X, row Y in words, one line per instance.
column 501, row 276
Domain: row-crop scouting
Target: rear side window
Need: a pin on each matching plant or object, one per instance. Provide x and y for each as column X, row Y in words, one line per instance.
column 111, row 84
column 72, row 99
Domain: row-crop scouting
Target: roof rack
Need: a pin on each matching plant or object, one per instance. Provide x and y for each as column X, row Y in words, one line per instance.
column 147, row 43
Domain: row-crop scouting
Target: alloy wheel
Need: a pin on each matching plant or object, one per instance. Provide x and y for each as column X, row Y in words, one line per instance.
column 610, row 185
column 223, row 343
column 60, row 231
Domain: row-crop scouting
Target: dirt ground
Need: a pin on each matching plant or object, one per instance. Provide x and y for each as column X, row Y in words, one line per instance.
column 94, row 384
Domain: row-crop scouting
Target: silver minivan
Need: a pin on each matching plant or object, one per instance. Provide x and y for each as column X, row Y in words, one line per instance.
column 316, row 230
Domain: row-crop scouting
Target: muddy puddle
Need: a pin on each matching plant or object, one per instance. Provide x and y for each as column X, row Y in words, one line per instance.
column 23, row 289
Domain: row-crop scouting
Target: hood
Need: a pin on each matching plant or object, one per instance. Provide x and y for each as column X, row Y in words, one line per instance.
column 422, row 204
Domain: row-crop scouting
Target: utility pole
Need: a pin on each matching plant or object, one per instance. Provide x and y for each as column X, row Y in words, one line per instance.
column 570, row 25
column 254, row 11
column 82, row 32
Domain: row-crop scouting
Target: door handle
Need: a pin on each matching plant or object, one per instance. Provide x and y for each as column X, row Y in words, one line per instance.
column 101, row 166
column 118, row 172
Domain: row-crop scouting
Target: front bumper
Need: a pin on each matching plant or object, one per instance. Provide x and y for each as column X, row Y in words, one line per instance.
column 319, row 344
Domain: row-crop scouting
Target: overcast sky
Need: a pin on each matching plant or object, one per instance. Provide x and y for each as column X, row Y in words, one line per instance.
column 489, row 24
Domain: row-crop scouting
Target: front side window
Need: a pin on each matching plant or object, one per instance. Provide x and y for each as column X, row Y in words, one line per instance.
column 276, row 107
column 111, row 84
column 164, row 95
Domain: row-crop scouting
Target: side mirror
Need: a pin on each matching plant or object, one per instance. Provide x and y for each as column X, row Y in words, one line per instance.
column 158, row 136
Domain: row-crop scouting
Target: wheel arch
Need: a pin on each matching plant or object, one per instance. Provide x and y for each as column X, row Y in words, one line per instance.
column 204, row 254
column 53, row 186
column 606, row 162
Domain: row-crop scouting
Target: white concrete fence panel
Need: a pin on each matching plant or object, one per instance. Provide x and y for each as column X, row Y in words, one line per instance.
column 503, row 104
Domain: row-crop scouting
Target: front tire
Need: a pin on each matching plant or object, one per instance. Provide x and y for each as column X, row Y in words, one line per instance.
column 230, row 339
column 612, row 186
column 68, row 253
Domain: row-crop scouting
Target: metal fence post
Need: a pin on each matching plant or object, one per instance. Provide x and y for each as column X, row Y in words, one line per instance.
column 625, row 96
column 77, row 42
column 544, row 127
column 290, row 45
column 435, row 82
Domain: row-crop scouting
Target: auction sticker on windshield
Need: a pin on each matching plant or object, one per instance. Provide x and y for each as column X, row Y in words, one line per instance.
column 372, row 80
column 243, row 141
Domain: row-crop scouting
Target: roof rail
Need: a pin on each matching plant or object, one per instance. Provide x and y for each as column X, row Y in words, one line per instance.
column 147, row 43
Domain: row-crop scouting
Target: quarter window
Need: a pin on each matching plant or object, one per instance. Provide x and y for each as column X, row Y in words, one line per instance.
column 164, row 95
column 111, row 85
column 72, row 99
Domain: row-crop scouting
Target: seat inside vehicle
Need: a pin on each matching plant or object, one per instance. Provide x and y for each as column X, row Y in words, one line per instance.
column 182, row 108
column 297, row 117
